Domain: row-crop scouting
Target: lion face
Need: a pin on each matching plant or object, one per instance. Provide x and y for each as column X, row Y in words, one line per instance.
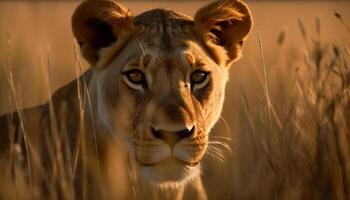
column 165, row 106
column 174, row 100
column 160, row 79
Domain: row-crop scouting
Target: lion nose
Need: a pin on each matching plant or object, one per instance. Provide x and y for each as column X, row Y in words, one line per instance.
column 172, row 138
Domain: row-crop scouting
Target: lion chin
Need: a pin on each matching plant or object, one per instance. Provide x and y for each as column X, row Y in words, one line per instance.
column 169, row 173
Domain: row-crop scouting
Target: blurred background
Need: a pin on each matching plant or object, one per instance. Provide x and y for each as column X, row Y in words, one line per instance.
column 35, row 34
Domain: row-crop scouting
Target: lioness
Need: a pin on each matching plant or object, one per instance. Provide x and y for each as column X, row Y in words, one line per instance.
column 157, row 83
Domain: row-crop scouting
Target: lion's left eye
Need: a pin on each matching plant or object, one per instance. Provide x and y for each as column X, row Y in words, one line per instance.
column 198, row 77
column 135, row 76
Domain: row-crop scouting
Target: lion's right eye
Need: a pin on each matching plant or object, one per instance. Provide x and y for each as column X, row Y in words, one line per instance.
column 135, row 76
column 199, row 79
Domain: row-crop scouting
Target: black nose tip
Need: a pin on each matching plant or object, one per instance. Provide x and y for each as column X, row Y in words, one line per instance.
column 157, row 133
column 172, row 137
column 185, row 133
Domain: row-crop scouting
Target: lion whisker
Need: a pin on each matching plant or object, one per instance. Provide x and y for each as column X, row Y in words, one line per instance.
column 224, row 145
column 215, row 153
column 213, row 157
column 220, row 137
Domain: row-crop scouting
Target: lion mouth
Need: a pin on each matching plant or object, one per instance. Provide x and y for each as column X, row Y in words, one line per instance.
column 171, row 160
column 192, row 164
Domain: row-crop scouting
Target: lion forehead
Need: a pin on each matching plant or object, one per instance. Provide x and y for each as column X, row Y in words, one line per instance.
column 161, row 32
column 165, row 30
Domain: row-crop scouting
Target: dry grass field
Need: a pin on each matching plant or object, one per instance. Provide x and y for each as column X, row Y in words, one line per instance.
column 286, row 118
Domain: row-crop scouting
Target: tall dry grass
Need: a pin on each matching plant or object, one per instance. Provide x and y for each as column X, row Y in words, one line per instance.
column 41, row 160
column 293, row 141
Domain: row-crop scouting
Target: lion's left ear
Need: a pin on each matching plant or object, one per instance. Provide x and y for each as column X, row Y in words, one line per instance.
column 224, row 23
column 97, row 24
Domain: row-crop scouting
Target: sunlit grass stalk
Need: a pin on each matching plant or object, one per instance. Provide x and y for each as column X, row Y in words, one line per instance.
column 81, row 150
column 256, row 134
column 267, row 92
column 340, row 18
column 62, row 176
column 18, row 108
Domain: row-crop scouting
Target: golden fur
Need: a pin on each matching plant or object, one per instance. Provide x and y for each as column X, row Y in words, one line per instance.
column 165, row 123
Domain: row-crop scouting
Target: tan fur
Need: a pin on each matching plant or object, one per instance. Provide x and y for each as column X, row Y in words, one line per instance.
column 149, row 119
column 232, row 19
column 89, row 17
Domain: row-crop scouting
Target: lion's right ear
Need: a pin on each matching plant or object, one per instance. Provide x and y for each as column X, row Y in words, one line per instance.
column 224, row 23
column 97, row 24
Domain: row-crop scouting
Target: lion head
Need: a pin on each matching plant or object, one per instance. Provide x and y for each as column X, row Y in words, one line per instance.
column 159, row 79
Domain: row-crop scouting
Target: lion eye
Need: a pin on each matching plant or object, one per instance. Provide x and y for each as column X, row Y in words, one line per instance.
column 198, row 77
column 135, row 76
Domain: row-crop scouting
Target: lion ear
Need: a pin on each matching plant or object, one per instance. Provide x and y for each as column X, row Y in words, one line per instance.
column 224, row 23
column 97, row 24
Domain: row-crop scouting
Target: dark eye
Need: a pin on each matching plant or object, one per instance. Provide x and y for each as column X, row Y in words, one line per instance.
column 198, row 77
column 135, row 76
